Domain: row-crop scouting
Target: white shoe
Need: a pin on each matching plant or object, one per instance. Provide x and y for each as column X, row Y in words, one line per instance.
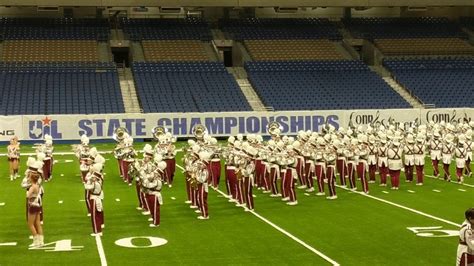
column 419, row 184
column 170, row 185
column 41, row 222
column 193, row 207
column 197, row 211
column 343, row 185
column 246, row 209
column 30, row 237
column 203, row 218
column 266, row 191
column 354, row 189
column 102, row 226
column 320, row 194
column 285, row 199
column 232, row 200
column 129, row 184
column 188, row 202
column 98, row 234
column 292, row 203
column 371, row 182
column 40, row 240
column 88, row 215
column 302, row 187
column 35, row 242
column 240, row 205
column 139, row 208
column 150, row 219
column 146, row 212
column 275, row 195
column 331, row 197
column 153, row 225
column 383, row 185
column 310, row 189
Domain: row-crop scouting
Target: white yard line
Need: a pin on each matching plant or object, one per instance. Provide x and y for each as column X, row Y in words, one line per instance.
column 435, row 190
column 100, row 248
column 460, row 189
column 405, row 208
column 456, row 183
column 386, row 192
column 299, row 241
column 411, row 191
column 8, row 244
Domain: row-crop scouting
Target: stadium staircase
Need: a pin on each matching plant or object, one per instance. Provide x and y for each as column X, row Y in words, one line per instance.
column 104, row 52
column 406, row 95
column 137, row 51
column 241, row 77
column 129, row 94
column 211, row 54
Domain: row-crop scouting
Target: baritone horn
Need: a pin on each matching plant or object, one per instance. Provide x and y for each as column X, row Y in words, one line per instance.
column 158, row 131
column 120, row 133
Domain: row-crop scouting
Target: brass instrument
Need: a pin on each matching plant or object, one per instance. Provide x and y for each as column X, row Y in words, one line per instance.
column 274, row 129
column 120, row 134
column 158, row 131
column 199, row 131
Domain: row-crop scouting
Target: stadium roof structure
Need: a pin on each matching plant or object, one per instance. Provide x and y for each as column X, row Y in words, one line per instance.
column 240, row 3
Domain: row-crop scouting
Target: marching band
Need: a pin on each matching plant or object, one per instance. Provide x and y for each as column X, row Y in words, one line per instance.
column 310, row 162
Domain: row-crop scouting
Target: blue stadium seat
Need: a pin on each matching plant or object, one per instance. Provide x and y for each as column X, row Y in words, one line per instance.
column 321, row 85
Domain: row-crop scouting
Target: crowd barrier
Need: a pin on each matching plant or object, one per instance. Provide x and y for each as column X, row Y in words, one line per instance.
column 102, row 126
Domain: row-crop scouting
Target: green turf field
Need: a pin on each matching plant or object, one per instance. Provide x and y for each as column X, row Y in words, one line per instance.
column 353, row 230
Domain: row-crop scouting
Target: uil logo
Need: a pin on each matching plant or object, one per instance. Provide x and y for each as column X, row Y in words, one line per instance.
column 38, row 128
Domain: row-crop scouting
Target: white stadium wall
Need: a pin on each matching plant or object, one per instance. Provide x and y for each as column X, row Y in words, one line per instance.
column 102, row 126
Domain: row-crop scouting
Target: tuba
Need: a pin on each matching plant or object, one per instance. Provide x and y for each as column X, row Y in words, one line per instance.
column 120, row 133
column 199, row 131
column 274, row 129
column 158, row 131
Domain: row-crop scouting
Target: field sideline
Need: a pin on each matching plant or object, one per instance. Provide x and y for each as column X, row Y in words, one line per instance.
column 416, row 225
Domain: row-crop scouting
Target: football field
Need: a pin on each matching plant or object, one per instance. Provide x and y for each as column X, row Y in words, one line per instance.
column 416, row 225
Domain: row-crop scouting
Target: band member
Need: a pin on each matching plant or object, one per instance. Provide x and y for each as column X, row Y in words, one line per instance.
column 419, row 151
column 215, row 164
column 34, row 209
column 395, row 160
column 330, row 156
column 170, row 158
column 465, row 252
column 47, row 148
column 309, row 166
column 82, row 153
column 191, row 184
column 94, row 184
column 435, row 146
column 320, row 165
column 13, row 152
column 153, row 183
column 372, row 158
column 408, row 150
column 447, row 155
column 127, row 155
column 363, row 153
column 147, row 167
column 274, row 168
column 341, row 163
column 202, row 175
column 460, row 153
column 469, row 149
column 248, row 173
column 382, row 161
column 120, row 134
column 352, row 161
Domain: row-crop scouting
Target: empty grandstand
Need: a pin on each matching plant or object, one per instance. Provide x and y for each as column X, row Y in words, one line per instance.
column 59, row 88
column 187, row 87
column 321, row 85
column 442, row 82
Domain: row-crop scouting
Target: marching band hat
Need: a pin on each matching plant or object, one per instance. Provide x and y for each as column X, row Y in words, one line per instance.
column 97, row 167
